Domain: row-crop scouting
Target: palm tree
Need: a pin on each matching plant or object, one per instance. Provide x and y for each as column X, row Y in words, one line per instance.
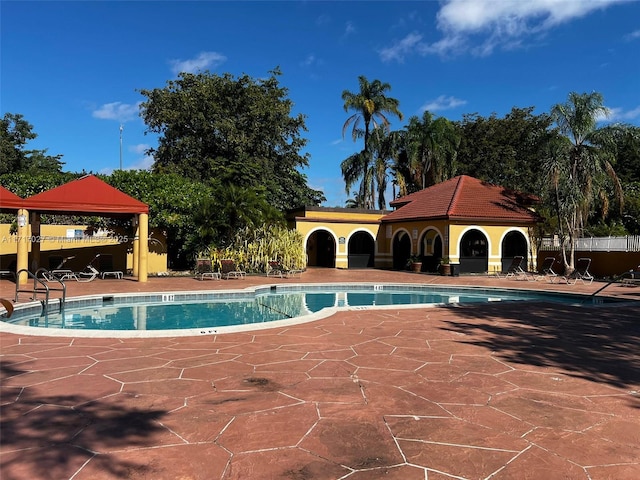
column 371, row 107
column 387, row 150
column 431, row 146
column 578, row 165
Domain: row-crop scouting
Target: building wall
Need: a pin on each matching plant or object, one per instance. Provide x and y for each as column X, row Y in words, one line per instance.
column 61, row 241
column 341, row 224
column 603, row 264
column 451, row 235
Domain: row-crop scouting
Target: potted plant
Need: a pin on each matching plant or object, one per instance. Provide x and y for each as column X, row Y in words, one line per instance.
column 445, row 266
column 415, row 263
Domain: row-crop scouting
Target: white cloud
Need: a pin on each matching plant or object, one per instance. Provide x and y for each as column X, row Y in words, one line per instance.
column 204, row 61
column 349, row 29
column 632, row 36
column 310, row 61
column 481, row 26
column 402, row 48
column 119, row 111
column 443, row 103
column 621, row 115
column 140, row 148
column 144, row 163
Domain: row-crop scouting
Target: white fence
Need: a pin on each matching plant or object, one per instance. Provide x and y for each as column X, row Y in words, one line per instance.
column 630, row 243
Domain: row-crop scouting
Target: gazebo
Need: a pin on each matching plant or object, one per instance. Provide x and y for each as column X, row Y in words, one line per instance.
column 87, row 195
column 9, row 201
column 477, row 225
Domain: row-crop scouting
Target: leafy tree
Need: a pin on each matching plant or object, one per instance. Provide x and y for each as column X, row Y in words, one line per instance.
column 239, row 131
column 15, row 133
column 228, row 210
column 432, row 146
column 578, row 165
column 172, row 200
column 371, row 107
column 505, row 151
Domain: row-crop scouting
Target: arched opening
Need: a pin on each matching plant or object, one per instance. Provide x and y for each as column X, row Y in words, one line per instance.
column 474, row 252
column 513, row 244
column 430, row 250
column 321, row 249
column 401, row 250
column 361, row 250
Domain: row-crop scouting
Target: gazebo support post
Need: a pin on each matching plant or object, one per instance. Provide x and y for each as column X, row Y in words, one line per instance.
column 143, row 246
column 22, row 260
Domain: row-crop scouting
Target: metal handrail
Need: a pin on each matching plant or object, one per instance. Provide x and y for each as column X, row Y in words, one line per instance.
column 40, row 287
column 615, row 279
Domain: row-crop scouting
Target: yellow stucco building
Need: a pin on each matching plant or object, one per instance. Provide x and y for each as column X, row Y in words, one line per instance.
column 480, row 227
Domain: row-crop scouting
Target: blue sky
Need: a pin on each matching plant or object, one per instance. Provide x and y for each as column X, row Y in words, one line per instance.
column 74, row 69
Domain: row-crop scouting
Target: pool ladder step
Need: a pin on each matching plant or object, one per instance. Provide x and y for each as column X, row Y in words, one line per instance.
column 39, row 286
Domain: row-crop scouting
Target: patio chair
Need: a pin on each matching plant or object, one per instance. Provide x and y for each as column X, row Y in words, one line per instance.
column 276, row 269
column 105, row 266
column 89, row 273
column 514, row 270
column 581, row 272
column 58, row 272
column 204, row 269
column 631, row 278
column 546, row 270
column 61, row 274
column 229, row 269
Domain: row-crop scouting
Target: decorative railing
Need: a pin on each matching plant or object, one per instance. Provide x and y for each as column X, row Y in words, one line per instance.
column 630, row 243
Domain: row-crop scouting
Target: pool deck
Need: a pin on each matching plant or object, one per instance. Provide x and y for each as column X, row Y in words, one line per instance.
column 497, row 391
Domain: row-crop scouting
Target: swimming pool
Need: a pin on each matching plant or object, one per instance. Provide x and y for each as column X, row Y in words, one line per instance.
column 189, row 313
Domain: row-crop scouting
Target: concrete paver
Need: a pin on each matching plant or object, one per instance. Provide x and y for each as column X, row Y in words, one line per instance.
column 479, row 392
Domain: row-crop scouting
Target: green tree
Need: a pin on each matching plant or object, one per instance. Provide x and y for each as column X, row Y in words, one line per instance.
column 578, row 166
column 386, row 150
column 239, row 131
column 15, row 133
column 432, row 146
column 505, row 151
column 172, row 201
column 371, row 106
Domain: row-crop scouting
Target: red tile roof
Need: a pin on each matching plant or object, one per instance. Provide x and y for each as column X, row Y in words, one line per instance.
column 87, row 194
column 9, row 200
column 464, row 198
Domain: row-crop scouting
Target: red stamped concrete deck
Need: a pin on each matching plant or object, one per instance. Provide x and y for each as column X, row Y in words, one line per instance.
column 499, row 391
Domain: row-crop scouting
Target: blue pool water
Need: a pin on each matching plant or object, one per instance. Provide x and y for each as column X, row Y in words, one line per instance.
column 171, row 311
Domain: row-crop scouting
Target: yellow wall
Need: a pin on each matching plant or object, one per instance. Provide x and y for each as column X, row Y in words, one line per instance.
column 451, row 234
column 341, row 224
column 54, row 242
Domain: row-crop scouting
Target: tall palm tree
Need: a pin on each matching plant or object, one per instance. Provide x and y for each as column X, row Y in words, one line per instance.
column 431, row 145
column 579, row 164
column 386, row 150
column 371, row 107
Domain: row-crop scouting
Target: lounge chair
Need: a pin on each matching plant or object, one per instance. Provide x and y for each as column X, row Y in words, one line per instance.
column 581, row 272
column 546, row 270
column 229, row 269
column 631, row 278
column 514, row 270
column 105, row 266
column 58, row 272
column 276, row 269
column 204, row 269
column 61, row 274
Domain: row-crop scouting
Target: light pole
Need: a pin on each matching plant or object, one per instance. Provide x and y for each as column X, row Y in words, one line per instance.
column 121, row 128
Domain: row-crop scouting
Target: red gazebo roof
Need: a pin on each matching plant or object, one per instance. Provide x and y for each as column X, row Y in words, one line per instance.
column 9, row 200
column 464, row 198
column 86, row 195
